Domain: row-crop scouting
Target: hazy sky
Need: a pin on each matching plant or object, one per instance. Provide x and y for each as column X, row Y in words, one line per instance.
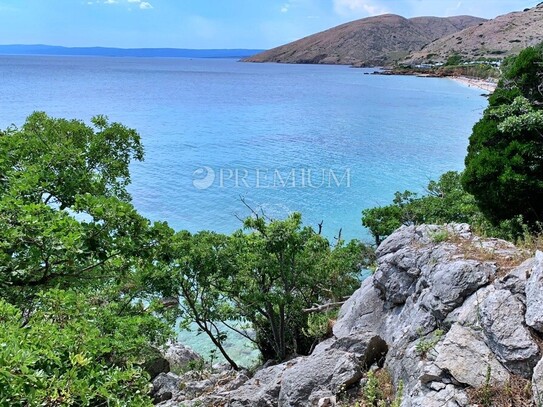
column 207, row 23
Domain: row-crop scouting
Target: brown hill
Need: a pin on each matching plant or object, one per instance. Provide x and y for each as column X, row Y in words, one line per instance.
column 497, row 38
column 370, row 41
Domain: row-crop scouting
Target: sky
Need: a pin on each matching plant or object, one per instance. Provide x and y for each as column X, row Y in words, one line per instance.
column 254, row 24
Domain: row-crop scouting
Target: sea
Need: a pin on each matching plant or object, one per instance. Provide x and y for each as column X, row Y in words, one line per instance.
column 224, row 138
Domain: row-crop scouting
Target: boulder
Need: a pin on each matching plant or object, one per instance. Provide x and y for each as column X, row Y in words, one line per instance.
column 165, row 385
column 262, row 390
column 314, row 377
column 179, row 356
column 450, row 282
column 537, row 384
column 516, row 280
column 534, row 295
column 369, row 349
column 155, row 363
column 502, row 319
column 364, row 312
column 442, row 396
column 465, row 356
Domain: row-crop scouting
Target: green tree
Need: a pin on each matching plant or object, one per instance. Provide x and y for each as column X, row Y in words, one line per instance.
column 524, row 73
column 195, row 275
column 454, row 60
column 73, row 254
column 382, row 221
column 504, row 163
column 282, row 269
column 55, row 160
column 445, row 201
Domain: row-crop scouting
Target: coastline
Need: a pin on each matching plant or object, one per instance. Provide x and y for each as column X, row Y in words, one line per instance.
column 468, row 81
column 475, row 83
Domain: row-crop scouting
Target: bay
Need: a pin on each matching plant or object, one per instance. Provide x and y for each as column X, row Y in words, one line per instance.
column 327, row 141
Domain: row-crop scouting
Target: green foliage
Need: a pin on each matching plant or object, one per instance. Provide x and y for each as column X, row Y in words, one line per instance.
column 504, row 170
column 425, row 345
column 454, row 59
column 523, row 72
column 440, row 236
column 378, row 390
column 372, row 391
column 382, row 221
column 444, row 202
column 284, row 268
column 74, row 350
column 263, row 277
column 55, row 160
column 397, row 402
column 73, row 256
column 319, row 324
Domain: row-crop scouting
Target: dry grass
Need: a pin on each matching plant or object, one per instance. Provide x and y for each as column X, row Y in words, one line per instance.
column 515, row 393
column 531, row 242
column 505, row 256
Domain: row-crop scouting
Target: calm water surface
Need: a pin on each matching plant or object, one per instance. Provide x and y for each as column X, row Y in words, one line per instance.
column 327, row 141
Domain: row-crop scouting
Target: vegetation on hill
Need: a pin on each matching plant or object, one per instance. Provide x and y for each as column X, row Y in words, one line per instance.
column 500, row 37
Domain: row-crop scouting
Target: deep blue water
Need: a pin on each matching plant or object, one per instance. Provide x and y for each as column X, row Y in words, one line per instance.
column 328, row 141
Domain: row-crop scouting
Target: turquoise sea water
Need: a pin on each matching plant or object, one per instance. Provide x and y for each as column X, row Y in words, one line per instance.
column 327, row 141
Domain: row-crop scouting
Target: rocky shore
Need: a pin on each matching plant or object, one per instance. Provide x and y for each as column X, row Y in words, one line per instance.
column 451, row 317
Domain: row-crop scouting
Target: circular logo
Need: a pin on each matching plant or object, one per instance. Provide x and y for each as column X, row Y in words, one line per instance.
column 203, row 178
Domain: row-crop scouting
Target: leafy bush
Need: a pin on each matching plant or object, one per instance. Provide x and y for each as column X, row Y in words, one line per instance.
column 454, row 59
column 266, row 277
column 74, row 350
column 73, row 251
column 445, row 202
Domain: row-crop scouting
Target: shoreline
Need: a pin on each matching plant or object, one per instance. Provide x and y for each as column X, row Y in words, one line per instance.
column 470, row 82
column 475, row 83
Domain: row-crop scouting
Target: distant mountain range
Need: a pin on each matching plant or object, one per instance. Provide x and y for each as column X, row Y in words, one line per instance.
column 125, row 52
column 370, row 41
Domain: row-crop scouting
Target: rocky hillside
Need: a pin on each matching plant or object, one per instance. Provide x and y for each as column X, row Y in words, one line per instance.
column 452, row 317
column 502, row 36
column 371, row 41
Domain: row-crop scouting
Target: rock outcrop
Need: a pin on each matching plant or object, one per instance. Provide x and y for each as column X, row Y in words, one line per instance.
column 446, row 313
